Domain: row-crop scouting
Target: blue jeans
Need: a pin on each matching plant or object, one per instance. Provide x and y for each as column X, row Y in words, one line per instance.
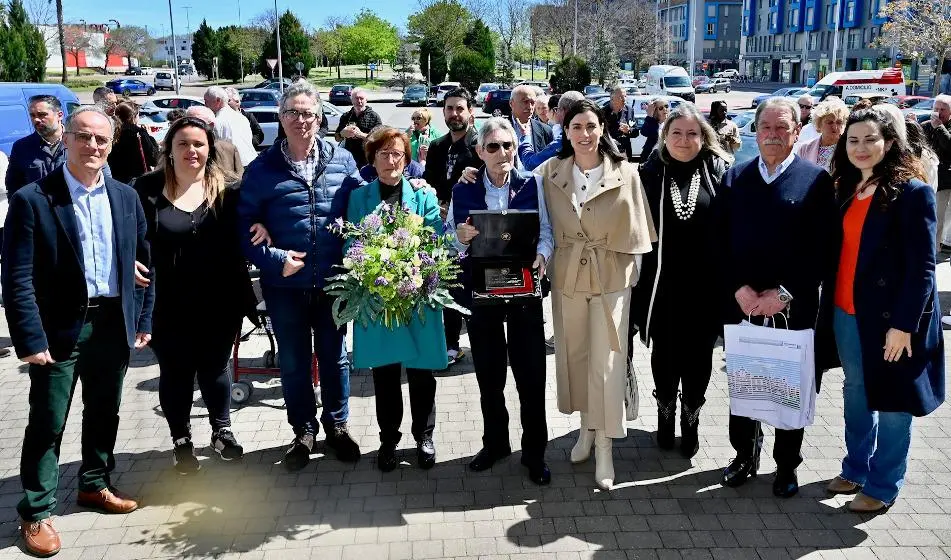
column 879, row 468
column 302, row 325
column 945, row 83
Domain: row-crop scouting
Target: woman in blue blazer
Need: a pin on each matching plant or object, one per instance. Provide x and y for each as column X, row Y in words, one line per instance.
column 886, row 317
column 420, row 346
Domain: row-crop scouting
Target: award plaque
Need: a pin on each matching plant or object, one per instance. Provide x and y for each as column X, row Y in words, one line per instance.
column 501, row 256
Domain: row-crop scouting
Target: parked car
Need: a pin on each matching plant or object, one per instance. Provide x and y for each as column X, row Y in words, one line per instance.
column 906, row 101
column 147, row 70
column 15, row 120
column 714, row 85
column 167, row 103
column 784, row 92
column 267, row 83
column 544, row 86
column 497, row 102
column 444, row 88
column 922, row 110
column 483, row 90
column 593, row 90
column 125, row 86
column 416, row 95
column 156, row 124
column 340, row 94
column 701, row 79
column 257, row 97
column 728, row 73
column 133, row 71
column 165, row 80
column 875, row 98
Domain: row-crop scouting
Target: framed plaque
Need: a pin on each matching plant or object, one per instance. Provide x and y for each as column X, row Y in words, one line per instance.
column 501, row 256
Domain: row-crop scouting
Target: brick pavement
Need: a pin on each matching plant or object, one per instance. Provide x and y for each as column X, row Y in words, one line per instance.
column 663, row 508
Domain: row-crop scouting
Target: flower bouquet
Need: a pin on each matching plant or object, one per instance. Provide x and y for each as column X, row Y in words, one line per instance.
column 393, row 268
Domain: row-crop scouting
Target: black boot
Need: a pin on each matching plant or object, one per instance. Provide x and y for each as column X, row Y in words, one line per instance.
column 689, row 425
column 666, row 419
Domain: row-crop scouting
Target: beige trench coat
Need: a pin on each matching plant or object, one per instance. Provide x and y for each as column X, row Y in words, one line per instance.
column 594, row 255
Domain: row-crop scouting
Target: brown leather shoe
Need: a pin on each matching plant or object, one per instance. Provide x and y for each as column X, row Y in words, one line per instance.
column 107, row 500
column 839, row 485
column 39, row 537
column 867, row 504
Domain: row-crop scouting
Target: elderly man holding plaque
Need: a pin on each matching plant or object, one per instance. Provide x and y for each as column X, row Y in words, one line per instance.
column 502, row 271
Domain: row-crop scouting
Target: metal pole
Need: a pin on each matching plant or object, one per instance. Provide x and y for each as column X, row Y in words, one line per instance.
column 171, row 23
column 835, row 37
column 691, row 36
column 574, row 45
column 241, row 50
column 280, row 64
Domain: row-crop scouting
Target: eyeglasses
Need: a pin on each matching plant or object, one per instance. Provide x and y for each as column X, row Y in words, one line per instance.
column 396, row 156
column 87, row 138
column 418, row 119
column 294, row 114
column 493, row 147
column 801, row 106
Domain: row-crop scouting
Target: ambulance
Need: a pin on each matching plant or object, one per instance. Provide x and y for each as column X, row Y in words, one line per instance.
column 887, row 83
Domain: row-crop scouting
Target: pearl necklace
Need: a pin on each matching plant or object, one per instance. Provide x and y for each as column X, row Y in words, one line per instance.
column 685, row 210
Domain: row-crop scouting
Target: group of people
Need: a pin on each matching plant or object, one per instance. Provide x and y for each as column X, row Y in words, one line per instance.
column 94, row 268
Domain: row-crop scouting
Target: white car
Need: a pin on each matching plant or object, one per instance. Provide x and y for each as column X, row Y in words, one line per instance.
column 155, row 124
column 483, row 90
column 166, row 103
column 444, row 88
column 165, row 79
column 544, row 86
column 267, row 117
column 728, row 73
column 147, row 70
column 638, row 104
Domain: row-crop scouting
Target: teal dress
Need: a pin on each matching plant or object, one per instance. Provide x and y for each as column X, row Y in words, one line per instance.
column 415, row 345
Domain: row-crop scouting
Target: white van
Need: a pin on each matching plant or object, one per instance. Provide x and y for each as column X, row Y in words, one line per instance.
column 887, row 83
column 663, row 79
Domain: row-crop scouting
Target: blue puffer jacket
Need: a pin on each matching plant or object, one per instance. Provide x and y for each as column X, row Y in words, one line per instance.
column 295, row 215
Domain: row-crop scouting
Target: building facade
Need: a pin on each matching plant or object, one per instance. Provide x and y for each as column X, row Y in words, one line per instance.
column 792, row 41
column 705, row 33
column 182, row 49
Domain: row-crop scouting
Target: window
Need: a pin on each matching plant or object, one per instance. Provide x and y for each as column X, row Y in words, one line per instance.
column 711, row 29
column 810, row 16
column 712, row 10
column 850, row 10
column 851, row 41
column 794, row 18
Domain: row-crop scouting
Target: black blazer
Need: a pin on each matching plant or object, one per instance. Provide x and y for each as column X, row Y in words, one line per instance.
column 44, row 286
column 233, row 296
column 127, row 160
column 435, row 173
column 542, row 134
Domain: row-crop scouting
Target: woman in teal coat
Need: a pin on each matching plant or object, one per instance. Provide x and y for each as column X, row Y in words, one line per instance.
column 420, row 345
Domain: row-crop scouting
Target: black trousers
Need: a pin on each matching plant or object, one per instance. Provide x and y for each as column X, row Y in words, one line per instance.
column 389, row 402
column 681, row 358
column 184, row 354
column 526, row 352
column 746, row 437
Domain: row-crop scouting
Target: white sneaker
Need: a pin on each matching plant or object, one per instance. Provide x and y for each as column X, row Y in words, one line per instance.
column 582, row 449
column 603, row 461
column 946, row 320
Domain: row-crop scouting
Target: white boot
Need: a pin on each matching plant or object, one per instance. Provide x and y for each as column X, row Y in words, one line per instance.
column 582, row 449
column 603, row 461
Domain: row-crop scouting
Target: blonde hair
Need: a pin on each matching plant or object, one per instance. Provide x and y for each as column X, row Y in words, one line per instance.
column 831, row 106
column 215, row 178
column 710, row 141
column 423, row 112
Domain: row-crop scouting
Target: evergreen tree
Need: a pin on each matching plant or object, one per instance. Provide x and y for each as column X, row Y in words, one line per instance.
column 206, row 45
column 479, row 40
column 470, row 69
column 295, row 47
column 572, row 73
column 430, row 54
column 23, row 56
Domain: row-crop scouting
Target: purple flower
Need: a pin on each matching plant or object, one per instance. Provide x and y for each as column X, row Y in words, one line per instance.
column 380, row 281
column 400, row 236
column 406, row 288
column 357, row 253
column 372, row 222
column 426, row 259
column 432, row 281
column 434, row 237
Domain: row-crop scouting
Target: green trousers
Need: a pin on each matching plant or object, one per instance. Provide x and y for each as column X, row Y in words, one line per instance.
column 100, row 359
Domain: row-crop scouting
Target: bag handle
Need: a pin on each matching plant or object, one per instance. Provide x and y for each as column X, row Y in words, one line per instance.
column 767, row 320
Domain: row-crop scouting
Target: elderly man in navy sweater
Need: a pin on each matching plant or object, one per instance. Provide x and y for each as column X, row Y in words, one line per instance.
column 780, row 226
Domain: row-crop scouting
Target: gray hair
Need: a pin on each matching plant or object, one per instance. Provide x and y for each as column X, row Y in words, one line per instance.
column 617, row 89
column 709, row 139
column 525, row 88
column 233, row 93
column 217, row 92
column 97, row 109
column 895, row 114
column 100, row 93
column 495, row 124
column 943, row 98
column 568, row 99
column 804, row 97
column 302, row 88
column 786, row 103
column 357, row 90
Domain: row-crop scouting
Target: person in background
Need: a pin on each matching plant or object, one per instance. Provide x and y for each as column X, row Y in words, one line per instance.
column 420, row 345
column 861, row 105
column 779, row 223
column 35, row 156
column 500, row 187
column 4, row 352
column 808, row 130
column 681, row 180
column 135, row 152
column 105, row 98
column 226, row 154
column 234, row 101
column 523, row 103
column 530, row 160
column 919, row 146
column 657, row 110
column 542, row 110
column 75, row 312
column 727, row 132
column 601, row 222
column 938, row 132
column 356, row 124
column 192, row 229
column 619, row 118
column 946, row 76
column 230, row 125
column 421, row 134
column 176, row 114
column 829, row 119
column 884, row 298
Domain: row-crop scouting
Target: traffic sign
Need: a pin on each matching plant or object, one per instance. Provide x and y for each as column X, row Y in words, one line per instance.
column 299, row 66
column 272, row 62
column 372, row 66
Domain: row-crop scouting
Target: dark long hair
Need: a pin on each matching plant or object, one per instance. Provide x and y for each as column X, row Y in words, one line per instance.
column 606, row 146
column 898, row 166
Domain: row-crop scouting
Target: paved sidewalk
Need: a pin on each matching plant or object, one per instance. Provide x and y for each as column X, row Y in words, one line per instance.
column 664, row 507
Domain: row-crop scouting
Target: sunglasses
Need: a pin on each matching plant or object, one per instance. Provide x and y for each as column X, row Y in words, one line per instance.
column 493, row 147
column 805, row 106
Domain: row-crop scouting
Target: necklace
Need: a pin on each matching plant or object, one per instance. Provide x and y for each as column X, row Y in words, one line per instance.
column 685, row 209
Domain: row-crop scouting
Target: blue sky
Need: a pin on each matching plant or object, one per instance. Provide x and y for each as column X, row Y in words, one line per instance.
column 154, row 13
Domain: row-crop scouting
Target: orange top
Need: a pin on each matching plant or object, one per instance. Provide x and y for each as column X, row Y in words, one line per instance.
column 849, row 256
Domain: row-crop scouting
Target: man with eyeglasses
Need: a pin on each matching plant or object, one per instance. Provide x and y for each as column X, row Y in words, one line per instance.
column 77, row 303
column 356, row 124
column 295, row 189
column 522, row 104
column 809, row 132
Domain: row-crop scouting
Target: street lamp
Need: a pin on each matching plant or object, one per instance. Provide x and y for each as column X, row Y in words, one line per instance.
column 171, row 22
column 280, row 65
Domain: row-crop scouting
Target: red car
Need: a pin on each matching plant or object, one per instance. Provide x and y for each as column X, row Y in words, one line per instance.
column 906, row 101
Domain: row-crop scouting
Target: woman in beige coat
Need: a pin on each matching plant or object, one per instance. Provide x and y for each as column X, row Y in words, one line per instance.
column 600, row 220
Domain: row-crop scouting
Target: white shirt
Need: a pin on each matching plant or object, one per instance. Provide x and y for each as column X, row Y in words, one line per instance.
column 584, row 183
column 764, row 172
column 807, row 133
column 232, row 126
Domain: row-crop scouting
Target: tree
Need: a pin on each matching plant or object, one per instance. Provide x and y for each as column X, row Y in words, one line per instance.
column 134, row 41
column 370, row 39
column 571, row 73
column 604, row 59
column 109, row 47
column 206, row 45
column 295, row 47
column 23, row 56
column 554, row 20
column 509, row 19
column 479, row 40
column 59, row 31
column 403, row 68
column 329, row 42
column 432, row 61
column 77, row 41
column 470, row 69
column 637, row 34
column 917, row 27
column 443, row 24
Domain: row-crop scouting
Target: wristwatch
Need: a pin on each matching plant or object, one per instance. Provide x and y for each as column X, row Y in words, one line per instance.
column 784, row 296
